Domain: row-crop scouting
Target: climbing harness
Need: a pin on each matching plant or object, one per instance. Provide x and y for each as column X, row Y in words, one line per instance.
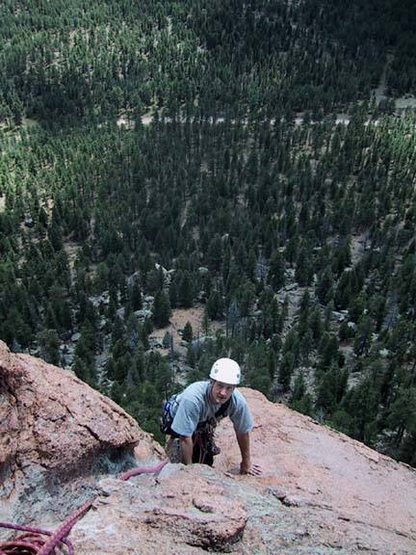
column 35, row 541
column 205, row 448
column 204, row 445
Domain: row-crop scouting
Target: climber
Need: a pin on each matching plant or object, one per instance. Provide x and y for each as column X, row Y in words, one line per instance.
column 190, row 417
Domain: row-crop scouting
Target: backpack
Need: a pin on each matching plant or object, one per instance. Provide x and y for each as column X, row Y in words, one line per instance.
column 169, row 408
column 168, row 413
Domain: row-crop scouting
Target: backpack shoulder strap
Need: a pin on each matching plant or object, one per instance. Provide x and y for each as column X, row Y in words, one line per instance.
column 168, row 413
column 222, row 411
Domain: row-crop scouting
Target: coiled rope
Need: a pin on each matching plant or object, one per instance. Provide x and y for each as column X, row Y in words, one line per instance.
column 35, row 541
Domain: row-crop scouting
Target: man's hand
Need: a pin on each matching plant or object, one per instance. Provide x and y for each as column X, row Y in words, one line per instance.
column 250, row 469
column 246, row 467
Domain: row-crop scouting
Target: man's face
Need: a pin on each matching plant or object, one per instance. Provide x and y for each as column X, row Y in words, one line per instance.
column 221, row 392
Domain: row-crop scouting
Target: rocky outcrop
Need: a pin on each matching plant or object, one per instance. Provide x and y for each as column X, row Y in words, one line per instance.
column 320, row 492
column 183, row 510
column 341, row 493
column 55, row 429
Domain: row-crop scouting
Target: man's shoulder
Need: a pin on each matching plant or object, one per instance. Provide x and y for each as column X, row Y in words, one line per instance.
column 238, row 396
column 196, row 391
column 238, row 399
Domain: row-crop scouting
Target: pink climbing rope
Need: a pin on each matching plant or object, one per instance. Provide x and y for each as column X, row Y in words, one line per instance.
column 143, row 470
column 49, row 547
column 33, row 541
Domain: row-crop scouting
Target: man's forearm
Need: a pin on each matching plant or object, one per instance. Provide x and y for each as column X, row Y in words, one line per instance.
column 187, row 447
column 244, row 444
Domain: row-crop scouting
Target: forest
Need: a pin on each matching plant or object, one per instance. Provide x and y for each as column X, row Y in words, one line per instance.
column 227, row 155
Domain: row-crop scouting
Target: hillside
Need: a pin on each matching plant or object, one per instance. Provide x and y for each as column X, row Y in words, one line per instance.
column 247, row 160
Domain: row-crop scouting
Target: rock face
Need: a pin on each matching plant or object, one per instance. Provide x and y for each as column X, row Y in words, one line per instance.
column 183, row 510
column 53, row 430
column 320, row 492
column 343, row 494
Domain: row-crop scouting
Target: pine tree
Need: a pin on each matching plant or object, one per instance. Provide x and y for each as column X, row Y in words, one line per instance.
column 185, row 293
column 187, row 334
column 331, row 389
column 215, row 305
column 276, row 274
column 363, row 339
column 49, row 346
column 161, row 310
column 325, row 286
column 215, row 254
column 304, row 268
column 135, row 296
column 286, row 370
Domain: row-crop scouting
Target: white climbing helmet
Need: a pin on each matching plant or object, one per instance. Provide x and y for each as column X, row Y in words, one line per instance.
column 226, row 370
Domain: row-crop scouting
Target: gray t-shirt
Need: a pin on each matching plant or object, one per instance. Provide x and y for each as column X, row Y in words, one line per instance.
column 194, row 406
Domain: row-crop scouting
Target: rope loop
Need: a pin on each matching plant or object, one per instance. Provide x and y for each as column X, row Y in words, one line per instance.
column 35, row 541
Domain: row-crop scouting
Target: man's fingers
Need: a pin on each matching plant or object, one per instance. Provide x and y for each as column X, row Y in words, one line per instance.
column 255, row 470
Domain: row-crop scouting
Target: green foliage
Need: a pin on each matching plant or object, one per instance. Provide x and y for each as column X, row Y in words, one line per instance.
column 49, row 345
column 261, row 367
column 325, row 286
column 188, row 333
column 276, row 275
column 402, row 417
column 299, row 392
column 286, row 369
column 185, row 290
column 161, row 310
column 304, row 269
column 361, row 403
column 331, row 389
column 215, row 305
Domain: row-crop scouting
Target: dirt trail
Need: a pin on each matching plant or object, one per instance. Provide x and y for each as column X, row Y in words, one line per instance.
column 178, row 320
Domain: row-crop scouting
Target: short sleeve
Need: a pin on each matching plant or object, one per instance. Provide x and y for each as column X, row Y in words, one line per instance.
column 186, row 418
column 240, row 414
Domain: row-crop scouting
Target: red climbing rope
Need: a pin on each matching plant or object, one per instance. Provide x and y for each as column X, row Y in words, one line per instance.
column 62, row 532
column 143, row 470
column 35, row 541
column 31, row 541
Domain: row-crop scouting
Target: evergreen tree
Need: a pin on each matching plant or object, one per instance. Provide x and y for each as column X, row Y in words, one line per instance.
column 161, row 310
column 361, row 403
column 215, row 305
column 363, row 339
column 135, row 296
column 49, row 346
column 325, row 287
column 276, row 274
column 187, row 334
column 331, row 389
column 304, row 268
column 185, row 292
column 286, row 370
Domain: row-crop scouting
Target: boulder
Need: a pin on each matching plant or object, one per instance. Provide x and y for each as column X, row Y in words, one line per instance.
column 54, row 429
column 184, row 510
